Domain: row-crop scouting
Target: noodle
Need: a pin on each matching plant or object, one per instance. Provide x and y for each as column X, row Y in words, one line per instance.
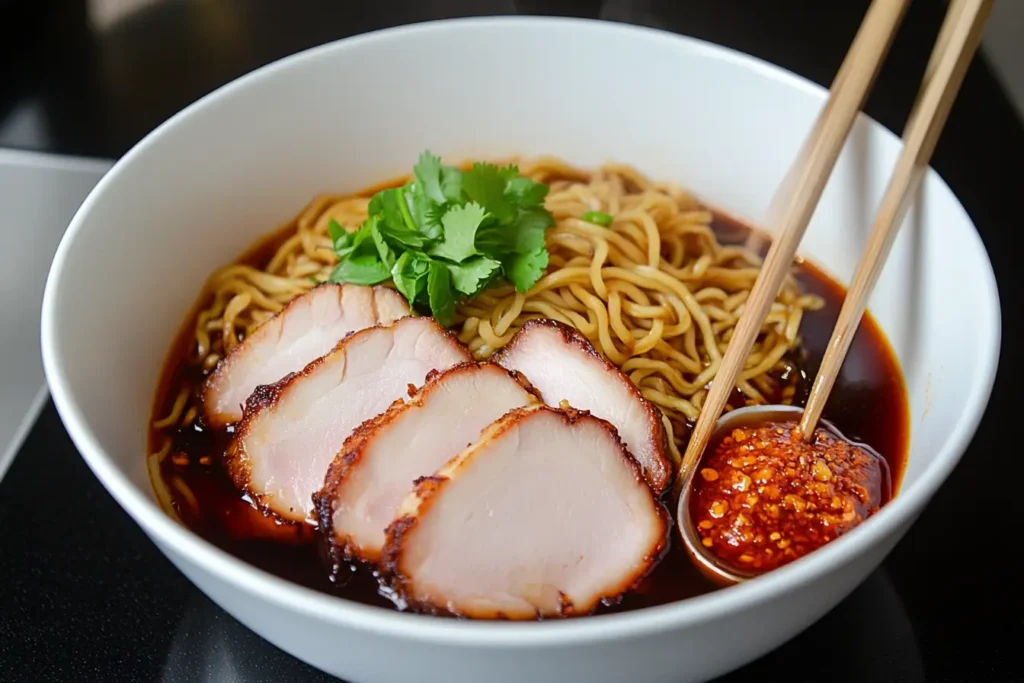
column 655, row 291
column 163, row 496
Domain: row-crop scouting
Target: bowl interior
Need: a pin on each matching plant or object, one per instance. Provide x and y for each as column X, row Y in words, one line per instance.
column 196, row 193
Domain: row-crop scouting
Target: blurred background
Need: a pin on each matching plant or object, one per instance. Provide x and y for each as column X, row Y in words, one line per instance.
column 91, row 77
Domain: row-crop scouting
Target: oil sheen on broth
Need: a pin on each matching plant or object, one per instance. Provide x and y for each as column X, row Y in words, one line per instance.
column 868, row 404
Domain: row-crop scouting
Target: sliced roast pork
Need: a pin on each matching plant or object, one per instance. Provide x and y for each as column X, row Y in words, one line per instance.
column 546, row 515
column 564, row 366
column 375, row 470
column 291, row 431
column 307, row 328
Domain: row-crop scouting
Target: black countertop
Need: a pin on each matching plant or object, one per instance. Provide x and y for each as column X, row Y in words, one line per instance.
column 85, row 596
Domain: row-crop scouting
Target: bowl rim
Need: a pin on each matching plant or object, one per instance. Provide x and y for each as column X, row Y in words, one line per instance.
column 169, row 534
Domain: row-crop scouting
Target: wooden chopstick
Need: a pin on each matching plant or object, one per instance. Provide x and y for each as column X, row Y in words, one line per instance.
column 958, row 40
column 839, row 114
column 880, row 15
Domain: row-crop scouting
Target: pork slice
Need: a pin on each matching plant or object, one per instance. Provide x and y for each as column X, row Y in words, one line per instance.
column 564, row 366
column 389, row 303
column 307, row 328
column 291, row 431
column 376, row 469
column 546, row 515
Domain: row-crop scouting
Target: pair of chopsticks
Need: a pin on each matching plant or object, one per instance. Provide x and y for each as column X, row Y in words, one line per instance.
column 800, row 191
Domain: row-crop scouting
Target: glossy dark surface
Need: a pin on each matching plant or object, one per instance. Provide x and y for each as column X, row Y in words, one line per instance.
column 85, row 596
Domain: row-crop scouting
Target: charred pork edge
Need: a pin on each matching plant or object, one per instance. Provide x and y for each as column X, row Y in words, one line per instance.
column 341, row 548
column 265, row 397
column 659, row 480
column 427, row 488
column 228, row 360
column 224, row 363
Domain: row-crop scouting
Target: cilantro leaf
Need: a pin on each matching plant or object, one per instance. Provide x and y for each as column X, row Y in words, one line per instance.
column 597, row 218
column 439, row 291
column 361, row 269
column 451, row 183
column 524, row 269
column 350, row 242
column 508, row 172
column 526, row 193
column 337, row 233
column 359, row 261
column 391, row 201
column 428, row 176
column 460, row 226
column 375, row 206
column 404, row 236
column 485, row 185
column 387, row 256
column 448, row 234
column 473, row 274
column 427, row 215
column 526, row 234
column 410, row 274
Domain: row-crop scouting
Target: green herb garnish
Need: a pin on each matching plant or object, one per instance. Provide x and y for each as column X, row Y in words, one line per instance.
column 597, row 218
column 448, row 234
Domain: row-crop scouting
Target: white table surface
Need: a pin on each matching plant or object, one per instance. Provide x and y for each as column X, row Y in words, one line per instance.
column 39, row 194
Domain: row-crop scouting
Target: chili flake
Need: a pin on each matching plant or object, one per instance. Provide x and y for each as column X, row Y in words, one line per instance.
column 765, row 497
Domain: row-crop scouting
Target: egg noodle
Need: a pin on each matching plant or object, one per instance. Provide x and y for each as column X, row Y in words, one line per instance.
column 654, row 291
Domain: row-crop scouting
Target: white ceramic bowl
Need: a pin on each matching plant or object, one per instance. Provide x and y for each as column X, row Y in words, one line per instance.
column 203, row 186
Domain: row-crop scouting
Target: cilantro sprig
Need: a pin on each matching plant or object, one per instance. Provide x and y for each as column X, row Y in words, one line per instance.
column 448, row 234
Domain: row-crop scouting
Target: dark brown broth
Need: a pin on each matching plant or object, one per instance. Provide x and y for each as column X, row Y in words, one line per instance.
column 868, row 404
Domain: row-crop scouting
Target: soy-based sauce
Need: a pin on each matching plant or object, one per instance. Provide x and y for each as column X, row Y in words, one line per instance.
column 868, row 404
